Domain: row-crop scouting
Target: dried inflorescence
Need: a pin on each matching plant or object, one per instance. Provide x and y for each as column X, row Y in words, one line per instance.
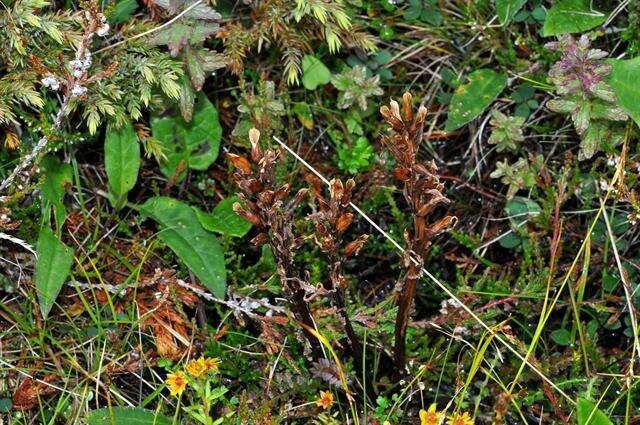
column 271, row 210
column 422, row 191
column 331, row 221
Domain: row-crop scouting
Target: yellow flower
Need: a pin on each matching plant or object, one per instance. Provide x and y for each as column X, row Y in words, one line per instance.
column 212, row 364
column 431, row 416
column 176, row 382
column 325, row 400
column 460, row 419
column 196, row 368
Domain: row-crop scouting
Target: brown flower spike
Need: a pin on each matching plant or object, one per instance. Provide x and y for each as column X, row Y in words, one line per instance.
column 271, row 210
column 422, row 191
column 331, row 221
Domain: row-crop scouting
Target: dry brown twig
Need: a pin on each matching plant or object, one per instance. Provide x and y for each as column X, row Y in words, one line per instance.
column 422, row 191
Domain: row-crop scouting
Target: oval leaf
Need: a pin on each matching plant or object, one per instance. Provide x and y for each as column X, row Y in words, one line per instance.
column 121, row 160
column 183, row 233
column 52, row 268
column 571, row 16
column 223, row 219
column 470, row 99
column 189, row 145
column 314, row 73
column 624, row 80
column 125, row 416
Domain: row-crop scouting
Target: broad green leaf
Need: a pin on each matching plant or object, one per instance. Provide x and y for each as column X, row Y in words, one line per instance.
column 314, row 73
column 561, row 337
column 520, row 209
column 624, row 78
column 589, row 414
column 125, row 416
column 192, row 144
column 52, row 268
column 121, row 161
column 57, row 176
column 223, row 219
column 507, row 9
column 571, row 16
column 470, row 99
column 182, row 232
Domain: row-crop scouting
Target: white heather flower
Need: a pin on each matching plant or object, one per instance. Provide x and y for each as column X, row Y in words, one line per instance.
column 78, row 90
column 86, row 63
column 103, row 30
column 51, row 82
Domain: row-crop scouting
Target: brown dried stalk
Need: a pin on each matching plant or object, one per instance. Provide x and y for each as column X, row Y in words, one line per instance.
column 331, row 221
column 265, row 205
column 422, row 191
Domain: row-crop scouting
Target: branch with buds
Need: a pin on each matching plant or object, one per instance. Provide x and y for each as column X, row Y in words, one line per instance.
column 271, row 209
column 422, row 191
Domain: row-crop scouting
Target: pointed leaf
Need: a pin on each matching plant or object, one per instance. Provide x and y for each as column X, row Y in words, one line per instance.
column 52, row 268
column 182, row 232
column 125, row 416
column 121, row 160
column 58, row 175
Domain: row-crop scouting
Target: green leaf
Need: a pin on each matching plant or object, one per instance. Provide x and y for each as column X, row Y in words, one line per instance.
column 121, row 161
column 470, row 99
column 624, row 78
column 507, row 9
column 561, row 337
column 123, row 11
column 125, row 416
column 58, row 175
column 223, row 219
column 192, row 144
column 520, row 209
column 571, row 16
column 314, row 73
column 52, row 268
column 182, row 232
column 589, row 414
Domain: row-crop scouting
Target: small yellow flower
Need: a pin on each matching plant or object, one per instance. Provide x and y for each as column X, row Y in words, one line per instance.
column 431, row 416
column 325, row 400
column 460, row 419
column 196, row 368
column 212, row 364
column 176, row 382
